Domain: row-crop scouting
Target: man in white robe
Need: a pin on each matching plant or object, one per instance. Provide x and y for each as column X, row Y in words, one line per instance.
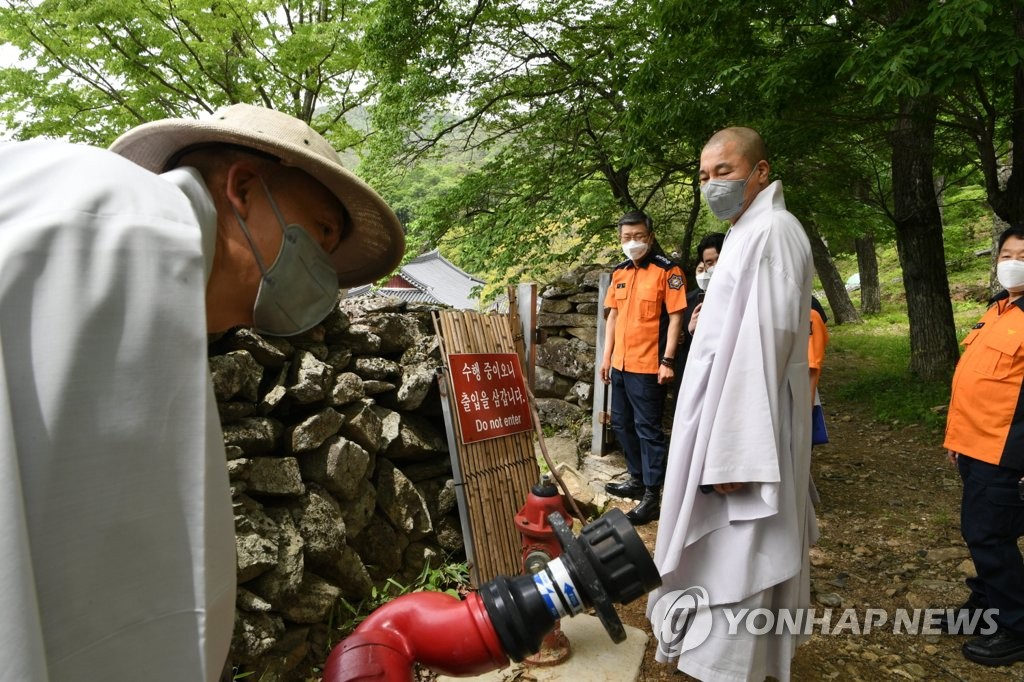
column 116, row 526
column 737, row 519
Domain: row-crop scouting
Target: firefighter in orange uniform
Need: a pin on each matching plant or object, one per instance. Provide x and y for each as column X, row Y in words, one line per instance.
column 645, row 301
column 985, row 438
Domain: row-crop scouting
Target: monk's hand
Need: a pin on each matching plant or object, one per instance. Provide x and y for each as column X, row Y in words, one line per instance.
column 726, row 488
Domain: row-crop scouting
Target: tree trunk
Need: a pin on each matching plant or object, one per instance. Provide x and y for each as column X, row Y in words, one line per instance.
column 831, row 281
column 933, row 347
column 867, row 266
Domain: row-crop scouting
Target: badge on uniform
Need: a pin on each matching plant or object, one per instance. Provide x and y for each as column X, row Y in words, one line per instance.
column 675, row 282
column 978, row 326
column 620, row 285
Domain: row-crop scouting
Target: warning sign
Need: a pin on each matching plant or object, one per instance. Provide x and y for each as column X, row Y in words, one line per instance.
column 491, row 395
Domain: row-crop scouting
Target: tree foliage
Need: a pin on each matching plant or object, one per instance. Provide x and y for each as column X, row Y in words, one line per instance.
column 94, row 68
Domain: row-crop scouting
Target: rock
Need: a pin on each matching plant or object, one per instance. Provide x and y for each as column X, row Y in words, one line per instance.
column 377, row 369
column 556, row 305
column 400, row 502
column 284, row 579
column 322, row 528
column 417, row 381
column 340, row 465
column 829, row 599
column 572, row 358
column 358, row 511
column 581, row 393
column 234, row 411
column 253, row 435
column 548, row 384
column 397, row 332
column 360, row 339
column 312, row 381
column 269, row 351
column 916, row 670
column 255, row 555
column 566, row 320
column 275, row 476
column 947, row 553
column 312, row 432
column 381, row 548
column 255, row 635
column 339, row 358
column 449, row 534
column 966, row 568
column 586, row 334
column 238, row 469
column 347, row 388
column 251, row 602
column 235, row 374
column 362, row 425
column 416, row 438
column 312, row 601
column 560, row 414
column 589, row 309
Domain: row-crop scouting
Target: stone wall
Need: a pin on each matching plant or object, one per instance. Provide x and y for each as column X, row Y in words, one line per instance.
column 339, row 465
column 339, row 469
column 564, row 384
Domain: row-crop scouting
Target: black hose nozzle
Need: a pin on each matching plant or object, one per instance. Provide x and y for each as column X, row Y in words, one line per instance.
column 607, row 564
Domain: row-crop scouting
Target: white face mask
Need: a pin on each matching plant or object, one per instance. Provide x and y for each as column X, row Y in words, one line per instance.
column 1010, row 273
column 725, row 197
column 634, row 250
column 702, row 280
column 299, row 288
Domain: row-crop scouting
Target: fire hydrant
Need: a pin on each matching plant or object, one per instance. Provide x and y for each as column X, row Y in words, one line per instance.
column 540, row 546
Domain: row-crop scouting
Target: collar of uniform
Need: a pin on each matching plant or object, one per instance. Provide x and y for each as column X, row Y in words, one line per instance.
column 767, row 200
column 644, row 262
column 191, row 184
column 1003, row 296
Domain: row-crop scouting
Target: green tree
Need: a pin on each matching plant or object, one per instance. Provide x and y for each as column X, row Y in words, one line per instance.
column 98, row 67
column 547, row 93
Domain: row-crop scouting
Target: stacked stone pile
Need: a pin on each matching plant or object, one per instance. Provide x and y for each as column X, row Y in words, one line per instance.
column 564, row 384
column 339, row 471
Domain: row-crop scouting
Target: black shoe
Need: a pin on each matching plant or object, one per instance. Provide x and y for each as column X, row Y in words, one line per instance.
column 648, row 509
column 963, row 617
column 1000, row 648
column 633, row 489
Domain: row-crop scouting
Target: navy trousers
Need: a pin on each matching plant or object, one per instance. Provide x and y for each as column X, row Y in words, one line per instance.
column 638, row 401
column 991, row 521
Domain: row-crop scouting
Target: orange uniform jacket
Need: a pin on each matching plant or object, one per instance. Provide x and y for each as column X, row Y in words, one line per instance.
column 986, row 409
column 643, row 297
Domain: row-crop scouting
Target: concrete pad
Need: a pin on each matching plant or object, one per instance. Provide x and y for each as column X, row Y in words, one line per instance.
column 595, row 658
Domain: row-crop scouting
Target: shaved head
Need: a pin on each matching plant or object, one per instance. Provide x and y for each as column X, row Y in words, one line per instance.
column 748, row 143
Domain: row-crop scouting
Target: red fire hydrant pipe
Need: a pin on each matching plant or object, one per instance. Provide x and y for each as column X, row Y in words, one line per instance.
column 451, row 636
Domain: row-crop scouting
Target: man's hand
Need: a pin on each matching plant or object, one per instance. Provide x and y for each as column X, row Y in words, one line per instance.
column 951, row 457
column 726, row 488
column 693, row 318
column 606, row 371
column 665, row 374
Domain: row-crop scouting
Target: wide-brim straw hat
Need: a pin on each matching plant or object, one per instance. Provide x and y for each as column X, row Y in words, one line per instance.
column 373, row 244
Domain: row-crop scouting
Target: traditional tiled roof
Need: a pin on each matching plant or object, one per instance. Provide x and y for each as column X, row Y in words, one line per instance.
column 432, row 279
